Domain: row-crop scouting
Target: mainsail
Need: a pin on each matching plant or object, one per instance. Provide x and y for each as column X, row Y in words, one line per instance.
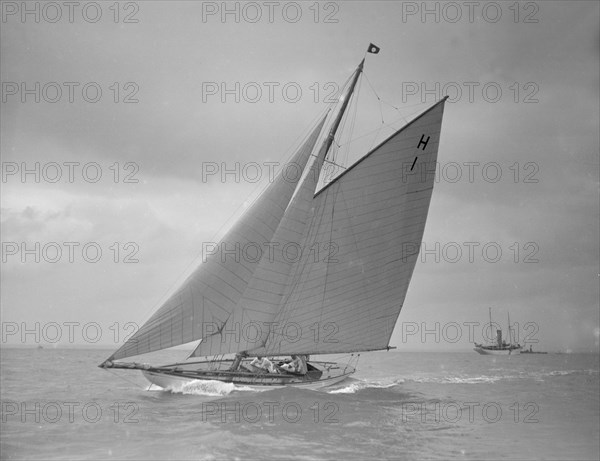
column 371, row 218
column 340, row 284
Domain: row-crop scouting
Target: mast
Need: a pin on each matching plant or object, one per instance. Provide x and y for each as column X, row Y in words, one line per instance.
column 336, row 123
column 491, row 325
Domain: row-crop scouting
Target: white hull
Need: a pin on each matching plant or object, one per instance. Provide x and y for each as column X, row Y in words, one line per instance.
column 483, row 351
column 173, row 382
column 320, row 374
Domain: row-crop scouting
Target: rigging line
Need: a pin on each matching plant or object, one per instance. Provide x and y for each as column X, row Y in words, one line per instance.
column 378, row 130
column 386, row 125
column 406, row 119
column 403, row 119
column 343, row 113
column 398, row 109
column 342, row 127
column 353, row 120
column 405, row 106
column 333, row 105
column 336, row 164
column 371, row 85
column 353, row 101
column 350, row 140
column 383, row 101
column 341, row 91
column 329, row 161
column 377, row 96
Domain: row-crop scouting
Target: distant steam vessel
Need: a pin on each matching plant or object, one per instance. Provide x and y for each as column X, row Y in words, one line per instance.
column 500, row 347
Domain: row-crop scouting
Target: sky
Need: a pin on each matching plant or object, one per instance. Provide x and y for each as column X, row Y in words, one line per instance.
column 125, row 118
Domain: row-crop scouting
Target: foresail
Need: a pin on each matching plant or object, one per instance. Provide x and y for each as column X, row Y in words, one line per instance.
column 367, row 226
column 205, row 301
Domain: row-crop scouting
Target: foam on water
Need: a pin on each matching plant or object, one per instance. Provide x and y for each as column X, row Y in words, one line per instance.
column 457, row 379
column 573, row 372
column 360, row 385
column 210, row 388
column 355, row 387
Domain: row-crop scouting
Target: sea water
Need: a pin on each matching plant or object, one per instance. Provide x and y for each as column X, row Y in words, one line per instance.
column 56, row 404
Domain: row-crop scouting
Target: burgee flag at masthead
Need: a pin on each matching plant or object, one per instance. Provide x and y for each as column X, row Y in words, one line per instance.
column 373, row 49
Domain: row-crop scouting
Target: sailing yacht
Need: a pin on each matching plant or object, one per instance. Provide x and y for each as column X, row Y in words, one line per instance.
column 275, row 305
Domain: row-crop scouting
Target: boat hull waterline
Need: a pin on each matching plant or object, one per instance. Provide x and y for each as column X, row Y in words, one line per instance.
column 484, row 351
column 321, row 374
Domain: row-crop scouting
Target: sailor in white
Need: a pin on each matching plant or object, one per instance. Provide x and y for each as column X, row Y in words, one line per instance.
column 264, row 363
column 297, row 365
